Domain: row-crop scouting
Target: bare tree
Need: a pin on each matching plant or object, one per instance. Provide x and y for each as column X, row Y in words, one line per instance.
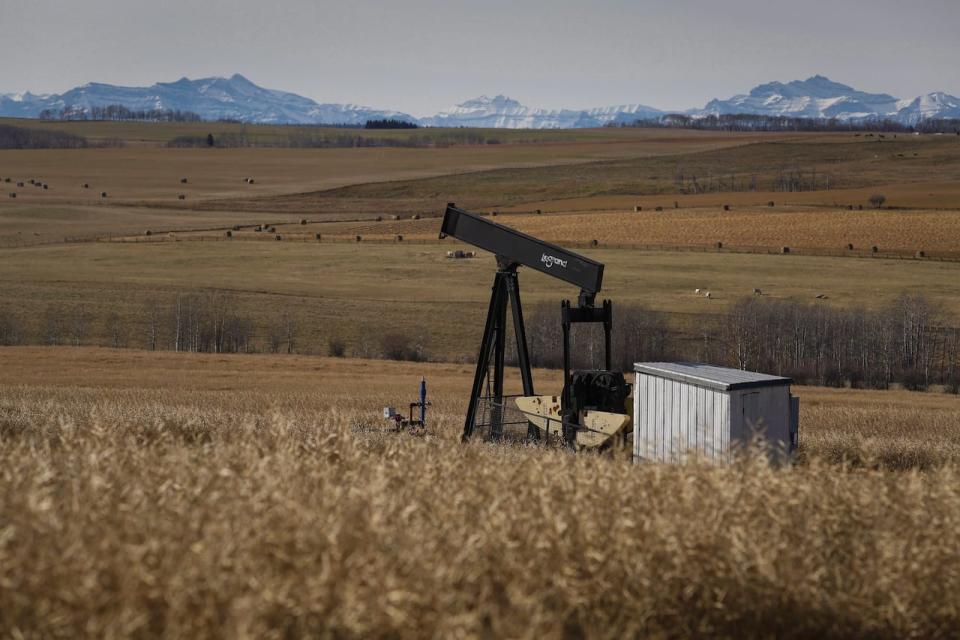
column 877, row 200
column 79, row 324
column 153, row 316
column 53, row 328
column 10, row 333
column 115, row 331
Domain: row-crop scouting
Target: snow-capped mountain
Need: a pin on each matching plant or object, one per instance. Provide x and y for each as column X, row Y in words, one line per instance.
column 236, row 98
column 503, row 112
column 233, row 98
column 928, row 106
column 815, row 97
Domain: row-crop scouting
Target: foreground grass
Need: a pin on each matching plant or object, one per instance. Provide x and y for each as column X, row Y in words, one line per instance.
column 246, row 504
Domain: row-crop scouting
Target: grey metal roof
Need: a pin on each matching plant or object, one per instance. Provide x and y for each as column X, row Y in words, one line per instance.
column 707, row 375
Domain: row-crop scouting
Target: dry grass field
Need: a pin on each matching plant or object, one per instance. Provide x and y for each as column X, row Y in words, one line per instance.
column 165, row 495
column 909, row 231
column 357, row 293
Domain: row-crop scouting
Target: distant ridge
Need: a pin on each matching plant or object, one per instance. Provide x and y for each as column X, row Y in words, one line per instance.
column 237, row 98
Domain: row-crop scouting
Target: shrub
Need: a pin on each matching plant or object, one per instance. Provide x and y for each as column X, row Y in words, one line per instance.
column 336, row 348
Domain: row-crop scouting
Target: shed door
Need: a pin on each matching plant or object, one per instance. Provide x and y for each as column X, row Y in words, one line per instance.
column 750, row 404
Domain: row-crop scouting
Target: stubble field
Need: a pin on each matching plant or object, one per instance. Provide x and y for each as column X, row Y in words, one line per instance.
column 202, row 496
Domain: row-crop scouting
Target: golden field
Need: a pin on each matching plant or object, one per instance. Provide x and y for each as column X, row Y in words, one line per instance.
column 256, row 496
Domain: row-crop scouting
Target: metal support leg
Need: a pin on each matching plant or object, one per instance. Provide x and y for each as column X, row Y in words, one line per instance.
column 483, row 357
column 523, row 354
column 607, row 330
column 499, row 349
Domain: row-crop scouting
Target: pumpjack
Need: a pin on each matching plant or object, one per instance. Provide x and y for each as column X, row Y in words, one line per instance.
column 591, row 411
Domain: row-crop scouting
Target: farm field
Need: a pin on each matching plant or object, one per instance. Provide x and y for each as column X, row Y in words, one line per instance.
column 197, row 495
column 757, row 227
column 352, row 292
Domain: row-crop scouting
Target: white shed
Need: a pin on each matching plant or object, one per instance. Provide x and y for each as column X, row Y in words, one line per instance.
column 682, row 409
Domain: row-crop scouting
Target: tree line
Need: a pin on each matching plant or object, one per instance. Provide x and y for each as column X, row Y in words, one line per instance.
column 307, row 139
column 390, row 123
column 757, row 122
column 12, row 137
column 118, row 112
column 906, row 342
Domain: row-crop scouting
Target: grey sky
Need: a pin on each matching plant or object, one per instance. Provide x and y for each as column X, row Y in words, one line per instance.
column 423, row 55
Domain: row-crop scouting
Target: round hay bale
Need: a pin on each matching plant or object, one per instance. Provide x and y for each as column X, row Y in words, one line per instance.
column 726, row 207
column 539, row 212
column 359, row 238
column 86, row 185
column 379, row 218
column 278, row 237
column 399, row 238
column 785, row 250
column 229, row 234
column 719, row 245
column 416, row 216
column 921, row 254
column 303, row 221
column 250, row 181
column 103, row 194
column 394, row 217
column 316, row 236
column 770, row 204
column 45, row 186
column 181, row 197
column 659, row 209
column 594, row 243
column 637, row 208
column 148, row 232
column 849, row 246
column 183, row 181
column 875, row 249
column 13, row 195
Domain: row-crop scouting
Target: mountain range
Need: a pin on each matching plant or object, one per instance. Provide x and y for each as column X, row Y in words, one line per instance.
column 237, row 98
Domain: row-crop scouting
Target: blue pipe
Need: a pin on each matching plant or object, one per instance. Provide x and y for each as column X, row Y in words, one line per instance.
column 423, row 401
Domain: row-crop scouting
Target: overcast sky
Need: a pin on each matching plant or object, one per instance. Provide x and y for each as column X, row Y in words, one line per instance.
column 420, row 56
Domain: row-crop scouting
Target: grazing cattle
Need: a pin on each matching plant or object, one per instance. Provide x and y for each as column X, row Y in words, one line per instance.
column 758, row 292
column 13, row 195
column 181, row 197
column 696, row 291
column 821, row 296
column 707, row 295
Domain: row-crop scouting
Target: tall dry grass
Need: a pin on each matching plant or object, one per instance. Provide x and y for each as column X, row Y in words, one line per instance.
column 211, row 514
